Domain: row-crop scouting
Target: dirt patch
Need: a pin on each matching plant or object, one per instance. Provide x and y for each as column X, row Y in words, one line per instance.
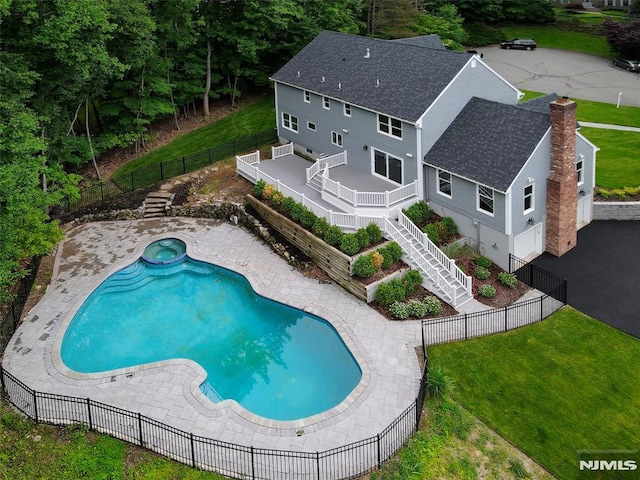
column 220, row 183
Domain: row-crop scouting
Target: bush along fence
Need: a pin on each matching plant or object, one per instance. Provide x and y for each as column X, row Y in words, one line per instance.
column 161, row 171
column 497, row 320
column 12, row 317
column 345, row 462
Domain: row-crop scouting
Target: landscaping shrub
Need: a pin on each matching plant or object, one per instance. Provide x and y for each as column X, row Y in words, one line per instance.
column 363, row 238
column 320, row 227
column 276, row 200
column 432, row 304
column 508, row 279
column 364, row 266
column 287, row 205
column 333, row 235
column 391, row 252
column 439, row 383
column 432, row 232
column 297, row 211
column 487, row 291
column 399, row 310
column 416, row 308
column 411, row 280
column 258, row 188
column 267, row 191
column 484, row 262
column 389, row 292
column 349, row 244
column 378, row 260
column 375, row 234
column 449, row 227
column 481, row 273
column 307, row 218
column 418, row 213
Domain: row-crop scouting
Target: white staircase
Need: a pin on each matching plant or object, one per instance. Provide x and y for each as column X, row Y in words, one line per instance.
column 441, row 275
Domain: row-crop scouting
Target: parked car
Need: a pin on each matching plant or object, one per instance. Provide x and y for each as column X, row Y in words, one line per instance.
column 629, row 65
column 520, row 43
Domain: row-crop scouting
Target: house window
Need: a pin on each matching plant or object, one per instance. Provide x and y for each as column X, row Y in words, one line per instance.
column 580, row 170
column 311, row 126
column 389, row 126
column 326, row 103
column 336, row 138
column 387, row 166
column 444, row 183
column 485, row 199
column 307, row 96
column 528, row 199
column 290, row 122
column 347, row 110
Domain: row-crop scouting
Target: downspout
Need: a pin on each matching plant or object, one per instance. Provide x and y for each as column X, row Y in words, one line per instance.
column 275, row 90
column 419, row 165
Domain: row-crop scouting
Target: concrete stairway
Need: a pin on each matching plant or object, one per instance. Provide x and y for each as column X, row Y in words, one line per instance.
column 157, row 203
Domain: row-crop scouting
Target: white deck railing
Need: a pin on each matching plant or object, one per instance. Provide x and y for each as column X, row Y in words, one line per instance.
column 322, row 163
column 369, row 199
column 282, row 150
column 445, row 262
column 246, row 165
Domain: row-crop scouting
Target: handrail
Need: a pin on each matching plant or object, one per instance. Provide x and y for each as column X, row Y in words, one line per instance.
column 321, row 163
column 250, row 158
column 282, row 150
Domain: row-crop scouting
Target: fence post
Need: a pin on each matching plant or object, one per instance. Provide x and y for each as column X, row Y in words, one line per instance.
column 35, row 405
column 184, row 166
column 140, row 429
column 2, row 384
column 193, row 451
column 465, row 326
column 89, row 413
column 505, row 318
column 101, row 192
column 133, row 183
column 318, row 464
column 161, row 170
column 541, row 308
column 253, row 465
column 379, row 451
column 209, row 155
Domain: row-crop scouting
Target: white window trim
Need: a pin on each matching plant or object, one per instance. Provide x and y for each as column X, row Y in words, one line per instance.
column 326, row 103
column 289, row 121
column 336, row 139
column 309, row 124
column 493, row 199
column 345, row 107
column 390, row 134
column 438, row 172
column 306, row 95
column 580, row 171
column 376, row 174
column 533, row 198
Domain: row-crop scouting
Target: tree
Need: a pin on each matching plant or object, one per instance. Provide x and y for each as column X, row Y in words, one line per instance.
column 623, row 37
column 447, row 24
column 391, row 18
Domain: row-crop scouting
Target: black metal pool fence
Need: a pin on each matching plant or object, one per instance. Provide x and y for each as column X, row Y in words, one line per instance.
column 345, row 462
column 147, row 176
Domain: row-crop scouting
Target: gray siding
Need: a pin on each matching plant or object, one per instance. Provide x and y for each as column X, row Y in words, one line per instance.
column 536, row 168
column 471, row 82
column 362, row 127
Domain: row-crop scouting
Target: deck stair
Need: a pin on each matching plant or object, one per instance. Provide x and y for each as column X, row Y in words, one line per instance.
column 316, row 182
column 157, row 203
column 441, row 276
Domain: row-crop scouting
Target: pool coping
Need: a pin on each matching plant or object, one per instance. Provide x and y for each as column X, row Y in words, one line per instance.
column 206, row 406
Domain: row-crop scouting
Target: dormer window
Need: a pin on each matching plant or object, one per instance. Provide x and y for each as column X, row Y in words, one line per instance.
column 389, row 126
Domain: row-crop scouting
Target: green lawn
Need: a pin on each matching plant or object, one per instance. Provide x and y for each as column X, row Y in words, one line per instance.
column 550, row 38
column 618, row 161
column 29, row 451
column 568, row 383
column 247, row 121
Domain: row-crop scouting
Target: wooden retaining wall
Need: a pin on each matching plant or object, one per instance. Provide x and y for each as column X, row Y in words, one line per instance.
column 335, row 263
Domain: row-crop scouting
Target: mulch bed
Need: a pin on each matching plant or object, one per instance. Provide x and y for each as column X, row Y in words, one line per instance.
column 420, row 293
column 504, row 295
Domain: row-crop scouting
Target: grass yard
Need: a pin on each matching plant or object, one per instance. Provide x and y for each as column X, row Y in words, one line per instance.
column 249, row 120
column 29, row 451
column 568, row 383
column 618, row 161
column 546, row 37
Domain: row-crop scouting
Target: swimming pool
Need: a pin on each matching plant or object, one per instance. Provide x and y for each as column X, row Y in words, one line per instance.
column 276, row 361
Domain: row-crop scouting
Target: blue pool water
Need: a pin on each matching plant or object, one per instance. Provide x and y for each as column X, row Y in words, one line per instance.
column 276, row 361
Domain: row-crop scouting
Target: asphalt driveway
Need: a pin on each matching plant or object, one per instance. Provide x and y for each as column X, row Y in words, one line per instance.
column 576, row 75
column 603, row 273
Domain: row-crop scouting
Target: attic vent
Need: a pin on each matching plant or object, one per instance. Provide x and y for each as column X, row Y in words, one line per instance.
column 368, row 54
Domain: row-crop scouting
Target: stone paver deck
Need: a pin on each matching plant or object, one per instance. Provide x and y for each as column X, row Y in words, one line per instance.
column 168, row 391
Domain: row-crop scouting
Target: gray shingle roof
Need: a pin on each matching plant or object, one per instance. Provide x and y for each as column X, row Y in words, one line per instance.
column 397, row 79
column 539, row 104
column 489, row 142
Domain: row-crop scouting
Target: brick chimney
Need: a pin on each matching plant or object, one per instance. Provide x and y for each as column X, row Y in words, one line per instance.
column 562, row 184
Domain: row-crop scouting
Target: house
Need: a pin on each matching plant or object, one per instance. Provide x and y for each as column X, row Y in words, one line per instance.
column 441, row 126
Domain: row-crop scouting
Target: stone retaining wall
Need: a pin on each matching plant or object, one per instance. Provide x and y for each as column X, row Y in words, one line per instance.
column 616, row 211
